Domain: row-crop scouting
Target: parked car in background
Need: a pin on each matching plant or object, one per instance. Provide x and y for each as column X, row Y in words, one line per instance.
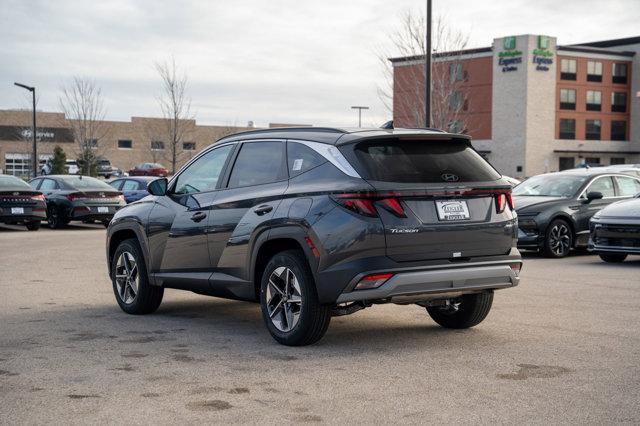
column 80, row 198
column 104, row 168
column 315, row 222
column 615, row 230
column 512, row 181
column 149, row 169
column 72, row 167
column 133, row 188
column 554, row 208
column 20, row 204
column 628, row 169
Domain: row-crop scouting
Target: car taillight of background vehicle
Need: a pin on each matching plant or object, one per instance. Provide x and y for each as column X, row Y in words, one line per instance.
column 39, row 197
column 502, row 200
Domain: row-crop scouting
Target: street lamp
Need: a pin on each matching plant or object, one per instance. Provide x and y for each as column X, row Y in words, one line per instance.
column 359, row 108
column 35, row 149
column 427, row 69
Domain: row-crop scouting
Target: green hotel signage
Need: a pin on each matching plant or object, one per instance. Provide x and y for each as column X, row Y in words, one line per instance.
column 509, row 43
column 542, row 56
column 510, row 57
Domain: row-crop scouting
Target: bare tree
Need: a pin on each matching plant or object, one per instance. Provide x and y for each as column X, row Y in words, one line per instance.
column 84, row 110
column 448, row 102
column 176, row 110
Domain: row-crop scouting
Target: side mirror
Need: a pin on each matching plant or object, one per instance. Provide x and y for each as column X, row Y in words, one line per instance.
column 159, row 187
column 593, row 195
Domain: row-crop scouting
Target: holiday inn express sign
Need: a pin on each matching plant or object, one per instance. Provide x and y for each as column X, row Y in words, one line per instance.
column 510, row 57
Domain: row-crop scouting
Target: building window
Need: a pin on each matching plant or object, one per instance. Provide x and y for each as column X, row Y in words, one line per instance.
column 566, row 163
column 125, row 144
column 455, row 72
column 189, row 146
column 617, row 160
column 568, row 69
column 592, row 161
column 618, row 130
column 620, row 73
column 618, row 102
column 594, row 71
column 593, row 130
column 567, row 99
column 594, row 100
column 91, row 143
column 567, row 128
column 17, row 164
column 157, row 145
column 455, row 101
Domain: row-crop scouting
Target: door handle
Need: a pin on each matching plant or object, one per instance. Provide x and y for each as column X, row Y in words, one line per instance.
column 198, row 216
column 263, row 210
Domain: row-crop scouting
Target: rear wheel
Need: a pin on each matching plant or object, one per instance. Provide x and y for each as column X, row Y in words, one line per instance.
column 131, row 286
column 613, row 257
column 463, row 312
column 33, row 225
column 289, row 301
column 558, row 239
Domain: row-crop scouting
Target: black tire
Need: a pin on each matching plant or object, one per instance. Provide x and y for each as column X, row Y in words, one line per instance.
column 613, row 257
column 105, row 223
column 33, row 225
column 313, row 319
column 558, row 239
column 56, row 218
column 148, row 297
column 471, row 311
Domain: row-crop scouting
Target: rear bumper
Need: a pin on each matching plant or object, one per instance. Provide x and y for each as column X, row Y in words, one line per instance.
column 411, row 286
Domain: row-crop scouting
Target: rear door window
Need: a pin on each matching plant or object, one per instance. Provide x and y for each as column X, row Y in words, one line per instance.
column 627, row 186
column 604, row 185
column 301, row 158
column 117, row 184
column 130, row 185
column 258, row 163
column 421, row 161
column 48, row 185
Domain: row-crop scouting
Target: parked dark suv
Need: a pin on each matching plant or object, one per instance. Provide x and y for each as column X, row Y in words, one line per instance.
column 318, row 222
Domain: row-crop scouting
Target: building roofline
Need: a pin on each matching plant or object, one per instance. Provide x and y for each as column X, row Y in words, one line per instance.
column 612, row 43
column 442, row 54
column 579, row 48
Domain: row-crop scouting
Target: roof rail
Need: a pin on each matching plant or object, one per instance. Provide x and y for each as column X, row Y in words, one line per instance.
column 287, row 129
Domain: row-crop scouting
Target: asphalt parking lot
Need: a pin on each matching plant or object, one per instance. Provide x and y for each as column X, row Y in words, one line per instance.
column 562, row 347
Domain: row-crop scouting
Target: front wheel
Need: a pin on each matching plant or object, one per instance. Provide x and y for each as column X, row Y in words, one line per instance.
column 613, row 257
column 33, row 225
column 463, row 312
column 290, row 307
column 558, row 239
column 55, row 218
column 131, row 286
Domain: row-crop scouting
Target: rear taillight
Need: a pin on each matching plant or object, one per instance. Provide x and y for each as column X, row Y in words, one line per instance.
column 372, row 281
column 73, row 197
column 39, row 197
column 516, row 267
column 365, row 204
column 120, row 198
column 502, row 200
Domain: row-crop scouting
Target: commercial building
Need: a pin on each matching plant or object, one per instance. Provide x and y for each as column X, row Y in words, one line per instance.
column 533, row 106
column 124, row 143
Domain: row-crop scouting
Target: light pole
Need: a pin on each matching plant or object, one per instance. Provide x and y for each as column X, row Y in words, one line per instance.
column 359, row 108
column 427, row 69
column 33, row 130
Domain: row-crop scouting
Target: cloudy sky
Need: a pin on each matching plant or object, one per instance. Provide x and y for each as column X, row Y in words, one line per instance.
column 292, row 61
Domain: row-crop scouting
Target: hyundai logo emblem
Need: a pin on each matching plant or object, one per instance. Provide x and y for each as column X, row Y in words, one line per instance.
column 449, row 177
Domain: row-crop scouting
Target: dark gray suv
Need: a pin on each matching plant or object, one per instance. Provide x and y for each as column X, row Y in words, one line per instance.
column 318, row 222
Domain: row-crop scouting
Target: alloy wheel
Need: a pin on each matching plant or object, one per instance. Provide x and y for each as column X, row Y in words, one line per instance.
column 284, row 299
column 127, row 277
column 560, row 239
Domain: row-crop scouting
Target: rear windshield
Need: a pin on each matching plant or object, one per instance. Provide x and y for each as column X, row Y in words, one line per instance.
column 12, row 183
column 85, row 182
column 408, row 161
